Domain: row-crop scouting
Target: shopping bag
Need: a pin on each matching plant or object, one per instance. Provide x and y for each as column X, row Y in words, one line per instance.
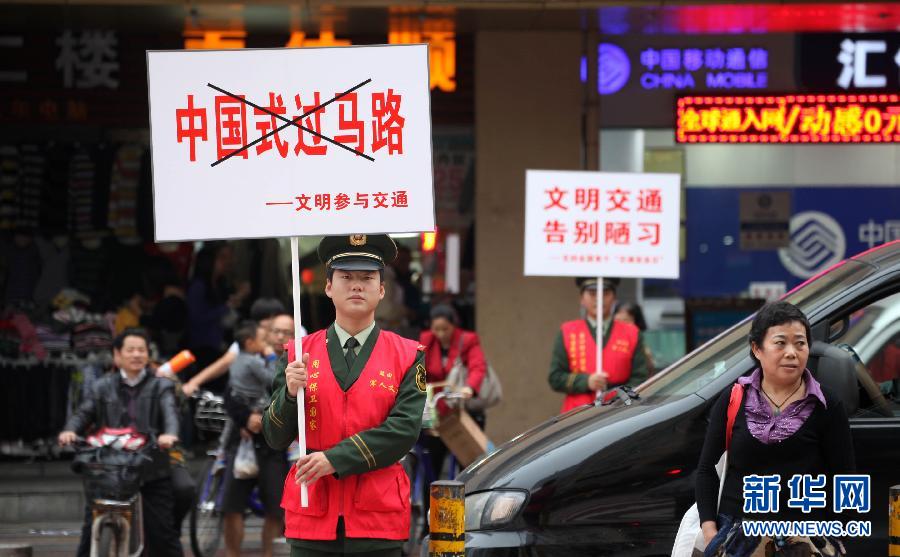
column 245, row 466
column 491, row 391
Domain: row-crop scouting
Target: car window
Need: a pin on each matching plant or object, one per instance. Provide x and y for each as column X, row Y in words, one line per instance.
column 873, row 332
column 717, row 356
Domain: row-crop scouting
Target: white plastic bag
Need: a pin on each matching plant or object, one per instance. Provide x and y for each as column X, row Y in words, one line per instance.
column 689, row 536
column 689, row 539
column 245, row 466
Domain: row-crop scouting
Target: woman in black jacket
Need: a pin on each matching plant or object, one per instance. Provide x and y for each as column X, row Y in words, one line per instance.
column 787, row 424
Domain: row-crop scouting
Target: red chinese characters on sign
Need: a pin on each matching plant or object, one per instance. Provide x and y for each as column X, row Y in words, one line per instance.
column 229, row 116
column 348, row 121
column 269, row 122
column 314, row 145
column 191, row 125
column 618, row 204
column 624, row 259
column 387, row 124
column 325, row 202
column 231, row 126
column 831, row 118
column 556, row 198
column 555, row 232
column 588, row 199
column 649, row 201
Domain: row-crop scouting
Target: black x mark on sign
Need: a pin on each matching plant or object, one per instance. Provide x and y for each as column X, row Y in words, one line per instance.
column 294, row 122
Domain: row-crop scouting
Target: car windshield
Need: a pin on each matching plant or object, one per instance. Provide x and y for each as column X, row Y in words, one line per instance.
column 717, row 356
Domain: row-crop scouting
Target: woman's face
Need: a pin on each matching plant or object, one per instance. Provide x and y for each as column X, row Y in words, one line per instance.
column 442, row 329
column 784, row 353
column 624, row 316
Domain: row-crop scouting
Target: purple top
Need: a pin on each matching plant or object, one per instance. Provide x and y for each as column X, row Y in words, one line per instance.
column 764, row 425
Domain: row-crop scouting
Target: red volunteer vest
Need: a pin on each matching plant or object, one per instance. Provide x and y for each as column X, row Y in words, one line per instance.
column 374, row 504
column 582, row 351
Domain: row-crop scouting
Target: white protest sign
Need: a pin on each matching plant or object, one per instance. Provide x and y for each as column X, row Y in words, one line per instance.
column 601, row 224
column 352, row 153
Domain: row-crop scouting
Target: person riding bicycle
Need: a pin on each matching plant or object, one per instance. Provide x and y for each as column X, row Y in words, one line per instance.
column 135, row 397
column 364, row 393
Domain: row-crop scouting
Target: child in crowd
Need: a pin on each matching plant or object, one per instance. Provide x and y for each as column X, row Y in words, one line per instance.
column 249, row 380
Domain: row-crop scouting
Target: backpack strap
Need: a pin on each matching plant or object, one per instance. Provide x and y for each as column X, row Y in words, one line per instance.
column 734, row 404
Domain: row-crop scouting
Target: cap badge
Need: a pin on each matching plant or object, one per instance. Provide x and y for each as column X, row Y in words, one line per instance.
column 358, row 240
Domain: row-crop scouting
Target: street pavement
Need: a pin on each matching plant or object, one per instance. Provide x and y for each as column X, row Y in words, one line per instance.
column 57, row 539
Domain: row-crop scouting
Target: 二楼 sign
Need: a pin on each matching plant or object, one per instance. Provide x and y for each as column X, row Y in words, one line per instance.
column 288, row 142
column 602, row 224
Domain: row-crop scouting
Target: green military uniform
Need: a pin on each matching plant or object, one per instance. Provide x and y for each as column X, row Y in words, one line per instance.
column 561, row 379
column 385, row 444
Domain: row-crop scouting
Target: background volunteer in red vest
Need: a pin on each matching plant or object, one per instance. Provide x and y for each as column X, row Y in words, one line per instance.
column 364, row 392
column 574, row 362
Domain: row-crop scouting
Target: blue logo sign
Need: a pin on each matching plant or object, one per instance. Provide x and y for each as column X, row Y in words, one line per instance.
column 852, row 493
column 761, row 493
column 683, row 68
column 817, row 242
column 807, row 492
column 613, row 68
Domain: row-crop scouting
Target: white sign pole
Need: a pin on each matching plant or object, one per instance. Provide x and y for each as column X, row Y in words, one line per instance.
column 599, row 331
column 298, row 352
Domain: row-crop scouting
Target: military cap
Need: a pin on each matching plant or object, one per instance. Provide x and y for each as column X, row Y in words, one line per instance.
column 584, row 283
column 357, row 252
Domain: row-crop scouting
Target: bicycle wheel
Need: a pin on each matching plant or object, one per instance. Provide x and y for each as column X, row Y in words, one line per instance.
column 417, row 523
column 207, row 521
column 109, row 544
column 417, row 530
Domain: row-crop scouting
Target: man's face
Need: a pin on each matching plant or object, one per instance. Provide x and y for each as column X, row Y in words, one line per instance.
column 281, row 331
column 609, row 300
column 589, row 302
column 133, row 356
column 355, row 293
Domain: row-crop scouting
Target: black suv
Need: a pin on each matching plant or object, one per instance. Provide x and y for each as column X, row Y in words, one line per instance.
column 615, row 479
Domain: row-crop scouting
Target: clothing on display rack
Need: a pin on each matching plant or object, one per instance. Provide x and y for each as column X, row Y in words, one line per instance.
column 37, row 402
column 91, row 337
column 55, row 195
column 28, row 192
column 123, row 191
column 23, row 268
column 10, row 173
column 54, row 269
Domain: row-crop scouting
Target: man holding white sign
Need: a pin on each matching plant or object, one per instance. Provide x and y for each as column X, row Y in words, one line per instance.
column 600, row 224
column 364, row 392
column 574, row 363
column 258, row 143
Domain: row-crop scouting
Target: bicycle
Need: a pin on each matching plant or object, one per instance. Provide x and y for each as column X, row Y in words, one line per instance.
column 207, row 519
column 111, row 462
column 419, row 468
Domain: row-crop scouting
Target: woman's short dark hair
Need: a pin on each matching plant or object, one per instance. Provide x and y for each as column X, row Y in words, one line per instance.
column 772, row 315
column 444, row 311
column 635, row 312
column 119, row 341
